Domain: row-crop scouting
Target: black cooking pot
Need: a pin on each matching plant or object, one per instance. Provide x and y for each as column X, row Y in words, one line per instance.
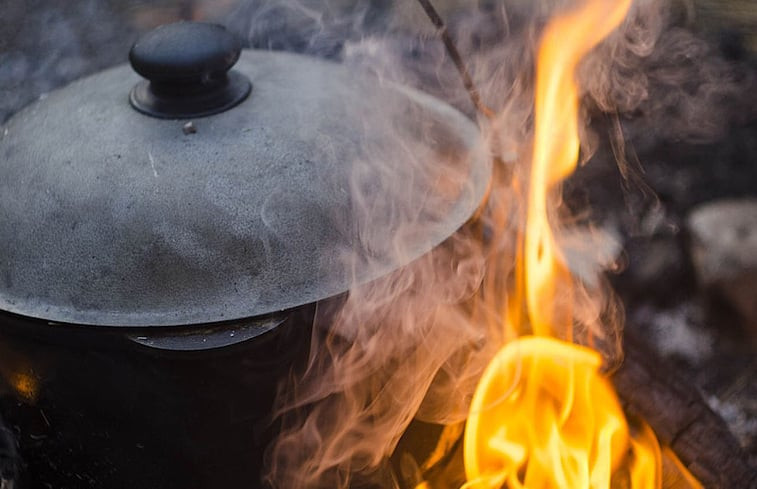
column 164, row 244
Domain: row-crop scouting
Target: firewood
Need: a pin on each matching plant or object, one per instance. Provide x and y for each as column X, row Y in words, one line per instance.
column 652, row 389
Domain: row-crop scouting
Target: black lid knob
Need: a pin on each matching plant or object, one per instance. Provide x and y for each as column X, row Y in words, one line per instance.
column 187, row 69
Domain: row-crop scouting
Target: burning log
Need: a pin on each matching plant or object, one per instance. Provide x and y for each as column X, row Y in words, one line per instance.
column 648, row 388
column 654, row 390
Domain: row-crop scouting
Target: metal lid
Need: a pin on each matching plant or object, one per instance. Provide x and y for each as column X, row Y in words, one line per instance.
column 311, row 184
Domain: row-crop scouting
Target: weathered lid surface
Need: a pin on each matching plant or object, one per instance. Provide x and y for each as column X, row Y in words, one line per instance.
column 321, row 178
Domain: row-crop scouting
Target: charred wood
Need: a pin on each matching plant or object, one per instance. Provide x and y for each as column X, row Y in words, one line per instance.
column 656, row 391
column 9, row 459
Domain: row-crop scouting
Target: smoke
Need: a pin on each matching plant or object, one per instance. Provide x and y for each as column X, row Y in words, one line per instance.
column 372, row 364
column 667, row 78
column 413, row 343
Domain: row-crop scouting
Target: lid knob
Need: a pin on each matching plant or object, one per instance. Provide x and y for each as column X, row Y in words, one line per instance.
column 187, row 69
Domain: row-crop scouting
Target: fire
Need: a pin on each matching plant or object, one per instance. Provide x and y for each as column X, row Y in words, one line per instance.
column 565, row 41
column 543, row 415
column 25, row 385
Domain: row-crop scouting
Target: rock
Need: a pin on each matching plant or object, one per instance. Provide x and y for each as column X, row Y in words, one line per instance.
column 724, row 253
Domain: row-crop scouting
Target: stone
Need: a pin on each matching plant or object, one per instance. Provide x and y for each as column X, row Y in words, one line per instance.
column 724, row 252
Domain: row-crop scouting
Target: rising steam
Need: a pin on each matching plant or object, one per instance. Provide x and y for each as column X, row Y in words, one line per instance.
column 414, row 343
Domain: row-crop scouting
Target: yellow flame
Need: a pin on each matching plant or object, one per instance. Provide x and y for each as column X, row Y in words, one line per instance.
column 565, row 41
column 543, row 415
column 675, row 473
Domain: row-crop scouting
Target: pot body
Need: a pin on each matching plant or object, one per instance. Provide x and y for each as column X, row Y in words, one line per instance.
column 107, row 408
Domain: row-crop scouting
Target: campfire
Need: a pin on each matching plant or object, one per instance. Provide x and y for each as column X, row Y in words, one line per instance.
column 497, row 356
column 545, row 412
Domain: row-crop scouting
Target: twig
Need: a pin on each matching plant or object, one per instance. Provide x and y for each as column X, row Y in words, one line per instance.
column 449, row 44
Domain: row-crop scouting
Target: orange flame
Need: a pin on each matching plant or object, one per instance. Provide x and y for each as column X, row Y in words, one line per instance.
column 543, row 416
column 565, row 41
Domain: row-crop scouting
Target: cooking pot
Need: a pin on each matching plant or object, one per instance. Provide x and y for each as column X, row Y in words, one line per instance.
column 164, row 243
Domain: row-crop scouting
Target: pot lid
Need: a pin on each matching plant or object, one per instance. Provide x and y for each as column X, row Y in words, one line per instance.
column 317, row 178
